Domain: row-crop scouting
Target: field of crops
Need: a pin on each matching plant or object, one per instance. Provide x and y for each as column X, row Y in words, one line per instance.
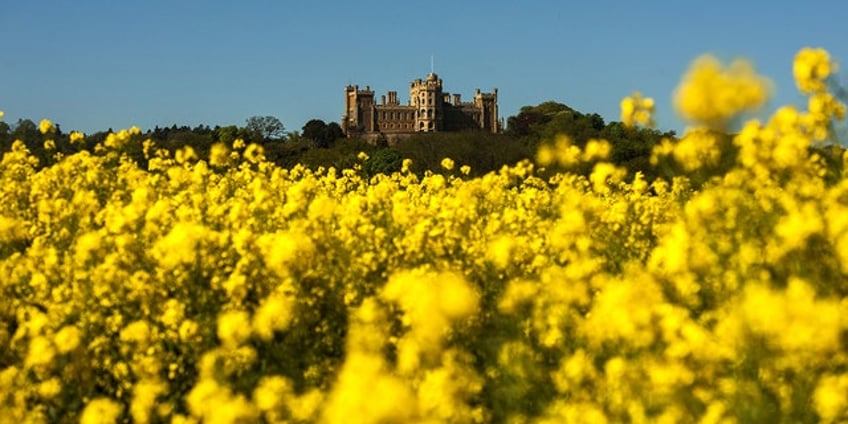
column 231, row 290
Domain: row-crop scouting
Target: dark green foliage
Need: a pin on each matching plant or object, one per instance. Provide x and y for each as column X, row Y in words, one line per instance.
column 632, row 147
column 483, row 152
column 384, row 161
column 342, row 155
column 322, row 135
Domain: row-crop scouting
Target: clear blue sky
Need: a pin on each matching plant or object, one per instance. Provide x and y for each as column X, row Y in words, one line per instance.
column 92, row 65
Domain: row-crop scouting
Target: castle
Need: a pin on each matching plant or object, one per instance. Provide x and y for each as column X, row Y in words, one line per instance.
column 429, row 110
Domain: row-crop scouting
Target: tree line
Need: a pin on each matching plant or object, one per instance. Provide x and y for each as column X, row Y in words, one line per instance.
column 324, row 144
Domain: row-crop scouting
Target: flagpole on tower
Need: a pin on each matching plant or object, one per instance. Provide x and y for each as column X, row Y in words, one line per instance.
column 432, row 64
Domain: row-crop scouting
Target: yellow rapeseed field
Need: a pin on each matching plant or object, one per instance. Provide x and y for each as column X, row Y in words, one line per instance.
column 235, row 291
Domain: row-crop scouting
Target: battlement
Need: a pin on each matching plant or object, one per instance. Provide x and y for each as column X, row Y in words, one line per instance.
column 355, row 89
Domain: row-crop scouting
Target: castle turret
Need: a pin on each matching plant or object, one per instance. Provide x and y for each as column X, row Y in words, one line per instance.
column 359, row 110
column 427, row 98
column 487, row 103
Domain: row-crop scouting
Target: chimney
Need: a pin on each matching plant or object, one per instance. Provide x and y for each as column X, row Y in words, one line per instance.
column 456, row 100
column 383, row 100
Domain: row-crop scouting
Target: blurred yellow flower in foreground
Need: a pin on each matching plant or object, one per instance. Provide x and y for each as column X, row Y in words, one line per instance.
column 811, row 68
column 711, row 94
column 637, row 110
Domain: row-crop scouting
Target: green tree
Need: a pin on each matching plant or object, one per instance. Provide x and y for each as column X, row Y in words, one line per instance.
column 323, row 135
column 27, row 131
column 530, row 118
column 334, row 132
column 384, row 161
column 227, row 134
column 268, row 127
column 5, row 132
column 315, row 129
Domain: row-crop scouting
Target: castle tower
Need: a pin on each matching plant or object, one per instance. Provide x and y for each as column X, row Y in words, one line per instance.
column 426, row 96
column 360, row 113
column 487, row 103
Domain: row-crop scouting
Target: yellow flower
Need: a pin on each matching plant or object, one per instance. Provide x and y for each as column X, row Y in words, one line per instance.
column 101, row 411
column 273, row 314
column 76, row 137
column 67, row 339
column 366, row 391
column 137, row 331
column 173, row 314
column 596, row 150
column 41, row 352
column 219, row 155
column 271, row 392
column 179, row 246
column 811, row 69
column 605, row 173
column 831, row 397
column 711, row 94
column 637, row 110
column 447, row 163
column 500, row 251
column 185, row 155
column 233, row 327
column 697, row 148
column 50, row 388
column 144, row 399
column 562, row 152
column 45, row 126
column 430, row 302
column 254, row 153
column 793, row 320
column 284, row 251
column 188, row 331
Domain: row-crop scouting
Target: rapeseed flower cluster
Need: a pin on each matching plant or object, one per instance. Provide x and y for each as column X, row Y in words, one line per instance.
column 237, row 291
column 637, row 110
column 710, row 94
